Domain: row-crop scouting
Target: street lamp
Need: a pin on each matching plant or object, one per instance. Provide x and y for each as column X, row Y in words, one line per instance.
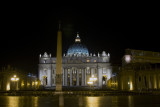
column 90, row 83
column 14, row 79
column 92, row 80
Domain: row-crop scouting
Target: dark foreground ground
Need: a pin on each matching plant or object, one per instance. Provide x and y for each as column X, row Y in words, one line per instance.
column 78, row 92
column 81, row 101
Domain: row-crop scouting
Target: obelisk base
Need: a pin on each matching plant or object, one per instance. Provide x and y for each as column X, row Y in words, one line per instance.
column 58, row 82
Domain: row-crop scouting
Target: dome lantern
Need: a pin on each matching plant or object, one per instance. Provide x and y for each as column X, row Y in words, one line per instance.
column 77, row 48
column 78, row 39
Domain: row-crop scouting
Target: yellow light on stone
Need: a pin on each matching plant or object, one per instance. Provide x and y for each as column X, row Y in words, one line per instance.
column 131, row 86
column 36, row 83
column 8, row 87
column 88, row 60
column 32, row 83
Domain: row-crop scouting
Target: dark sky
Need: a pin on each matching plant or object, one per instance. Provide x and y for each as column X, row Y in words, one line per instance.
column 28, row 30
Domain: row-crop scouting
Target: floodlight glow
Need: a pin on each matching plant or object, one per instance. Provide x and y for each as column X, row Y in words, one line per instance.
column 36, row 83
column 128, row 58
column 131, row 87
column 95, row 79
column 13, row 79
column 90, row 82
column 92, row 78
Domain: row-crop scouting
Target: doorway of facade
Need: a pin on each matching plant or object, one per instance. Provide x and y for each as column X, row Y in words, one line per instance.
column 74, row 81
column 44, row 80
column 104, row 80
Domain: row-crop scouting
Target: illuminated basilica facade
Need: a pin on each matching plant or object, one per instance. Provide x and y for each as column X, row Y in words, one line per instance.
column 78, row 66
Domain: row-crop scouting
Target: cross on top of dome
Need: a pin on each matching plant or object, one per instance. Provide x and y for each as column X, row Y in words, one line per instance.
column 78, row 39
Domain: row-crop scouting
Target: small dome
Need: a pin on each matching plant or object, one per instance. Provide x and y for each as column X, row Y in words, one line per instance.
column 45, row 54
column 77, row 48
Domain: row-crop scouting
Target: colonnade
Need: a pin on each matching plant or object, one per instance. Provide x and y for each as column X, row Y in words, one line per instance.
column 80, row 76
column 74, row 76
column 147, row 81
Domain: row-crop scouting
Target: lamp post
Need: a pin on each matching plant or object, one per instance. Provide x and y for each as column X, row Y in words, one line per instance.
column 92, row 80
column 15, row 79
column 90, row 83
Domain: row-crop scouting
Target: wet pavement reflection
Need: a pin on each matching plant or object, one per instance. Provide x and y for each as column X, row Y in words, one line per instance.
column 79, row 101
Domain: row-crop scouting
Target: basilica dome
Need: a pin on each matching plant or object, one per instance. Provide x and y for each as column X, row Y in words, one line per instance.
column 77, row 48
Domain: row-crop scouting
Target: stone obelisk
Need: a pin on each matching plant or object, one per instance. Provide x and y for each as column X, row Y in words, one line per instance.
column 59, row 61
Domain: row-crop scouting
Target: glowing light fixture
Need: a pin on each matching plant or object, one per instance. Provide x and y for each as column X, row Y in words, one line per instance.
column 14, row 78
column 92, row 80
column 88, row 60
column 77, row 38
column 128, row 58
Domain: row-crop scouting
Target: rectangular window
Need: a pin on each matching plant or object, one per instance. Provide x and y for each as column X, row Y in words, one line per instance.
column 139, row 79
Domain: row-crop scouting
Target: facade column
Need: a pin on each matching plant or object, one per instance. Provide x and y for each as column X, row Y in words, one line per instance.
column 158, row 86
column 78, row 70
column 63, row 76
column 150, row 82
column 49, row 77
column 92, row 72
column 159, row 80
column 41, row 76
column 154, row 81
column 71, row 77
column 82, row 78
column 147, row 78
column 100, row 77
column 97, row 77
column 66, row 76
column 85, row 77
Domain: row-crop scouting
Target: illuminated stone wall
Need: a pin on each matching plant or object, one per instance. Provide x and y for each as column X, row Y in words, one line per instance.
column 13, row 79
column 141, row 71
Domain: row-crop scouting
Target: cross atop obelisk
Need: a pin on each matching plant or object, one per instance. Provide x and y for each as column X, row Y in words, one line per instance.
column 59, row 60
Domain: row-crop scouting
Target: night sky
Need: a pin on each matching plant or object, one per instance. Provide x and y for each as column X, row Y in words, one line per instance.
column 29, row 30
